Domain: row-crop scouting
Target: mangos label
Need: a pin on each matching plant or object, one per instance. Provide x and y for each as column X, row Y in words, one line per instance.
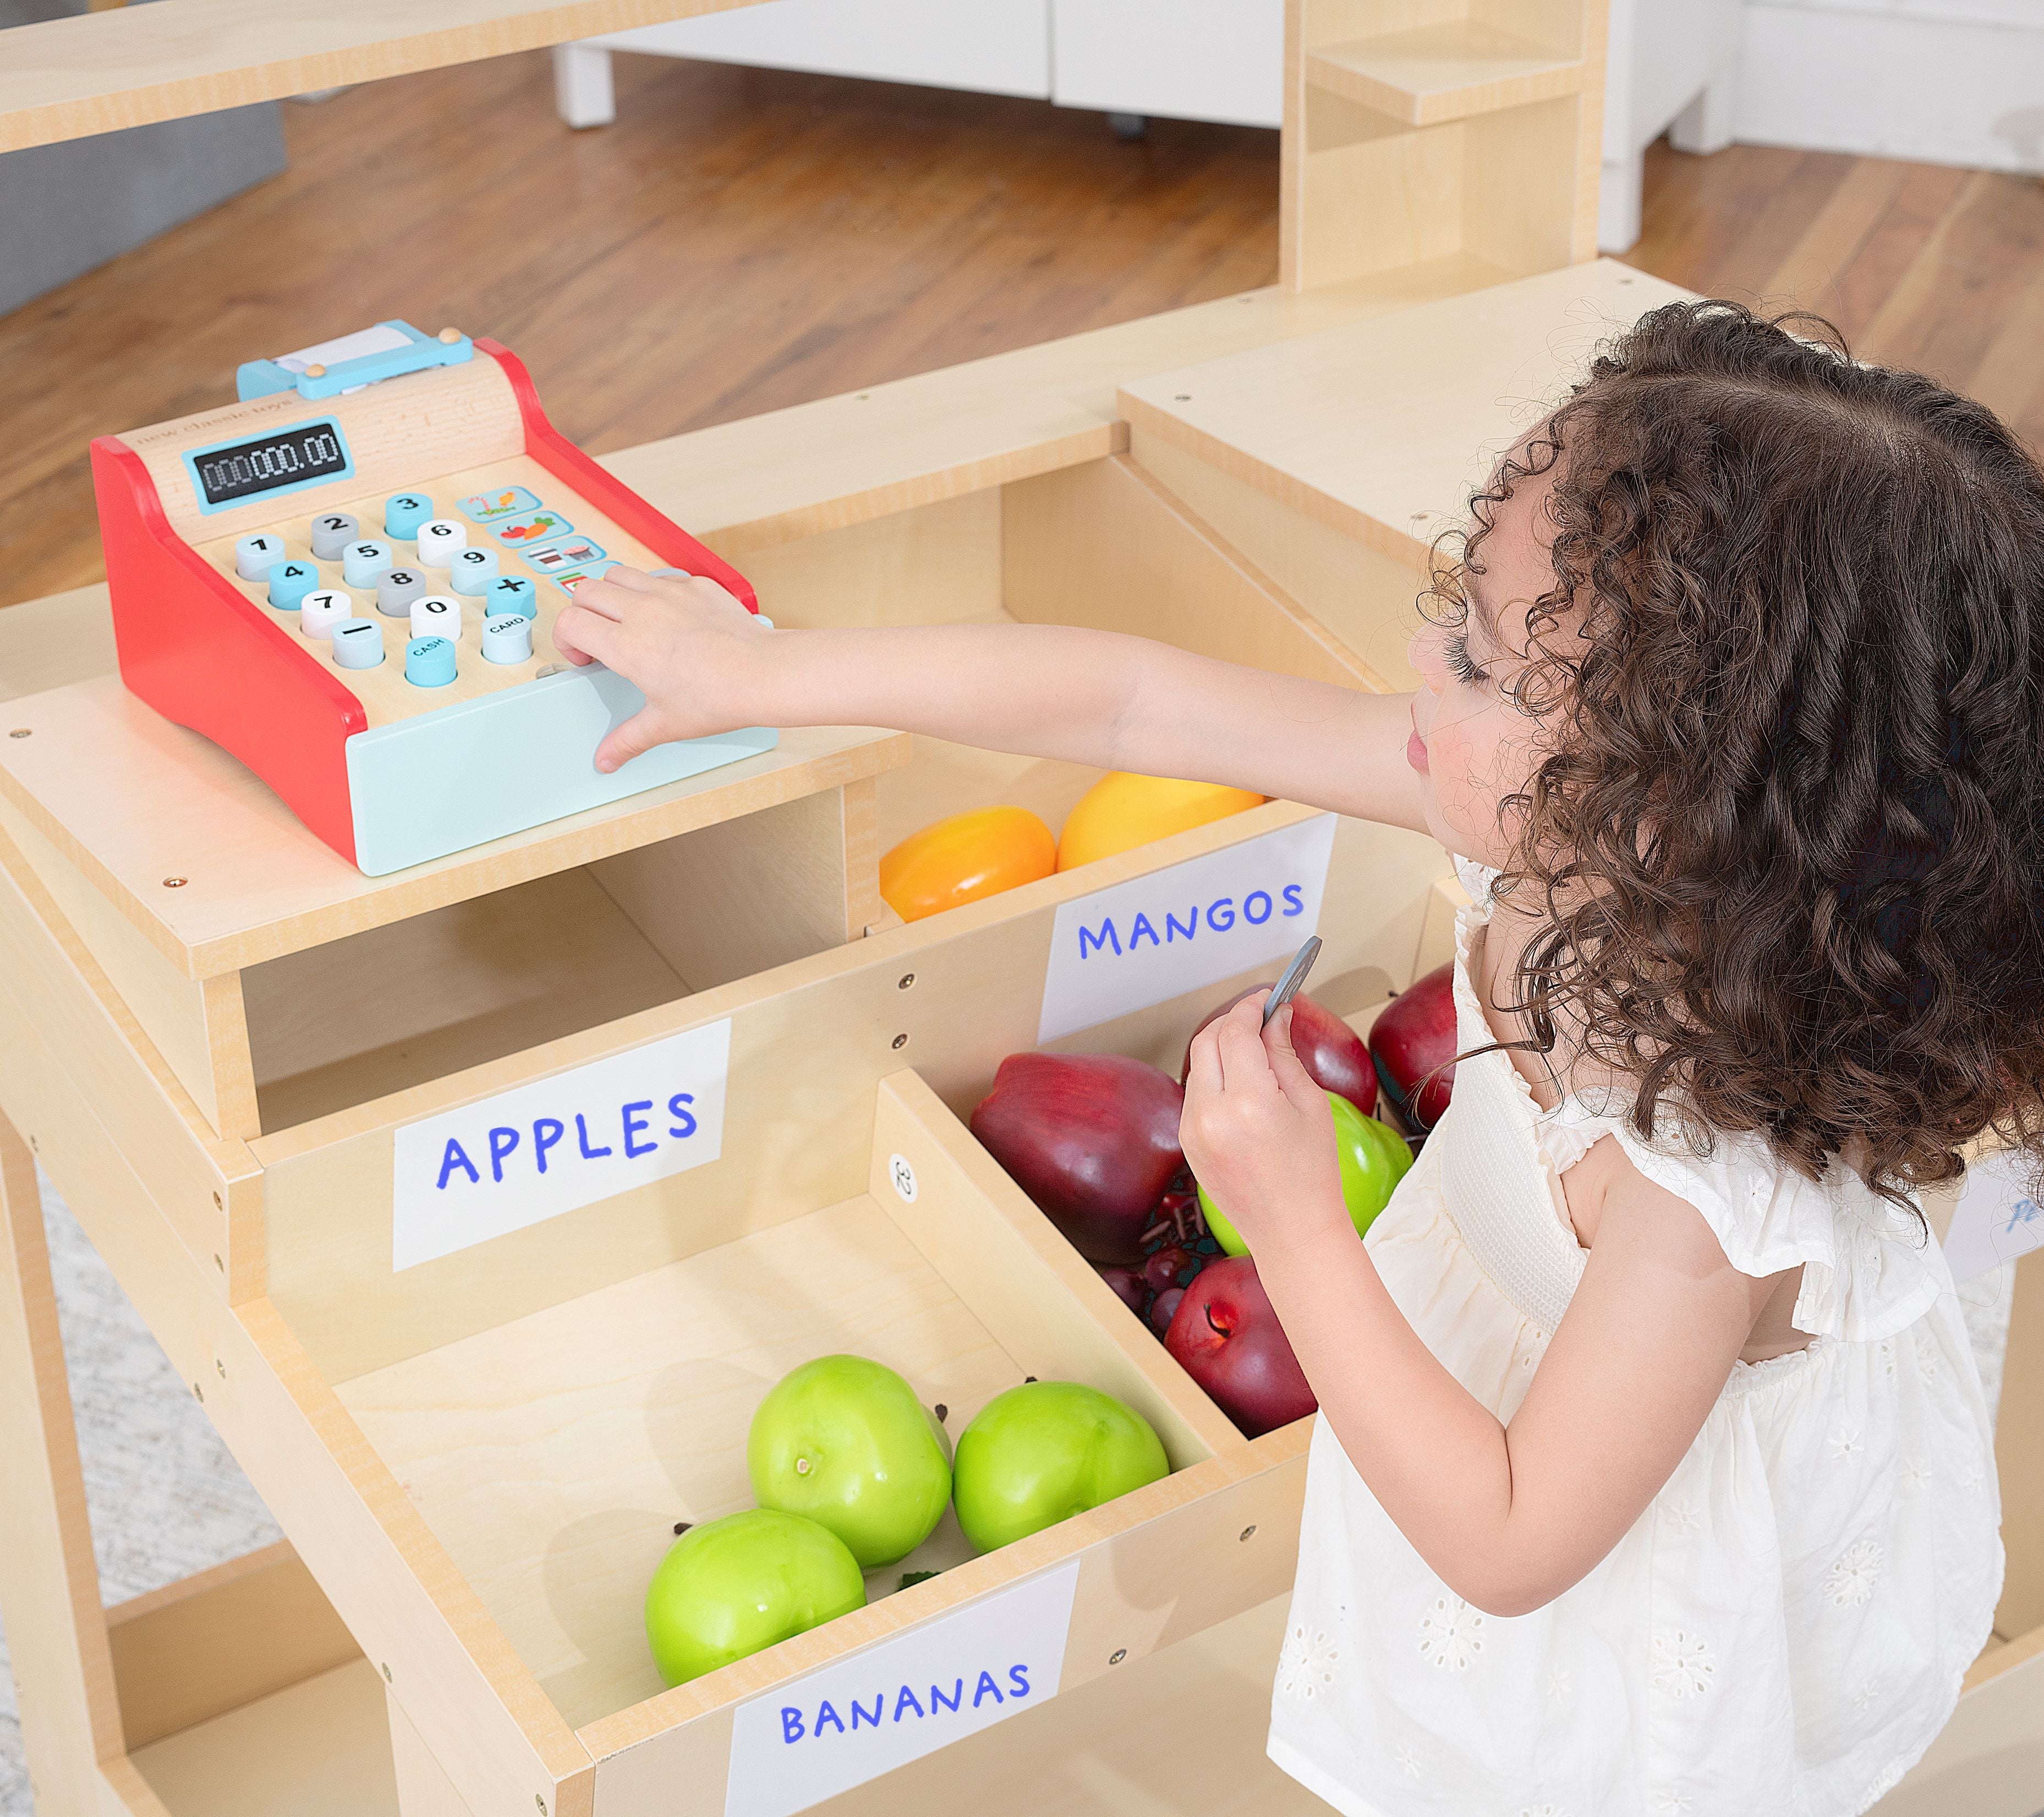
column 1179, row 929
column 557, row 1144
column 848, row 1722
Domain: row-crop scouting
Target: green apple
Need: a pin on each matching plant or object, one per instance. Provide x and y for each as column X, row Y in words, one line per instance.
column 1045, row 1451
column 730, row 1587
column 844, row 1441
column 1373, row 1158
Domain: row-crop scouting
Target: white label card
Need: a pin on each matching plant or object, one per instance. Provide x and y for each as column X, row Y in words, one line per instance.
column 558, row 1144
column 847, row 1723
column 1995, row 1219
column 1155, row 937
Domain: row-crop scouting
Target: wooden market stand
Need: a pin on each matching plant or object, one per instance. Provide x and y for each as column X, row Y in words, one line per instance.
column 477, row 1460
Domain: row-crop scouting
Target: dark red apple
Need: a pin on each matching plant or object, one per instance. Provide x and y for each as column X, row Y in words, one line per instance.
column 1226, row 1336
column 1166, row 1303
column 1413, row 1043
column 1161, row 1269
column 1332, row 1053
column 1128, row 1282
column 1092, row 1138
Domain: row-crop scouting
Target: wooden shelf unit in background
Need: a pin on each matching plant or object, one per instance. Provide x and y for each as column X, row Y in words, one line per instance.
column 1422, row 129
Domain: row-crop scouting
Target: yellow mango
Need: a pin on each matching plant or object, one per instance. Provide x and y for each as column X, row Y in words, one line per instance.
column 1121, row 811
column 966, row 856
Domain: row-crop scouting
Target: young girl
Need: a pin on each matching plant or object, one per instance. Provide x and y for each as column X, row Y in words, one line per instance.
column 1652, row 1473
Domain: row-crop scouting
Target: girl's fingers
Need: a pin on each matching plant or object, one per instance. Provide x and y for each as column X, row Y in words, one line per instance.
column 1294, row 1080
column 1244, row 1061
column 584, row 636
column 1203, row 1069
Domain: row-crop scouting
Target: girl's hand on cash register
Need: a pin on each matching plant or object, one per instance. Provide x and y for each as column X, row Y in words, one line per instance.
column 690, row 648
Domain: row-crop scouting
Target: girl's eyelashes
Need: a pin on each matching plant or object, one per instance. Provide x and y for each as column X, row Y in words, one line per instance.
column 1461, row 665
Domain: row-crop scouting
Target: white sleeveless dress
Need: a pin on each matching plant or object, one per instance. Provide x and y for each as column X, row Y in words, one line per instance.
column 1780, row 1633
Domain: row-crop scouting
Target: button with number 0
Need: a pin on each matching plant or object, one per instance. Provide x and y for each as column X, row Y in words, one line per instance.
column 440, row 539
column 396, row 590
column 473, row 570
column 508, row 593
column 254, row 556
column 507, row 637
column 361, row 562
column 435, row 614
column 404, row 512
column 333, row 533
column 319, row 611
column 290, row 583
column 358, row 644
column 429, row 661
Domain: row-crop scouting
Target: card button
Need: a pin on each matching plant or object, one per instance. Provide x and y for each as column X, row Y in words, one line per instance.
column 507, row 637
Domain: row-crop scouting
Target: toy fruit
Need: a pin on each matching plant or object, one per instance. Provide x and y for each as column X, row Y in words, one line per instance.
column 730, row 1587
column 1225, row 1335
column 1413, row 1044
column 843, row 1441
column 1121, row 811
column 964, row 857
column 1045, row 1451
column 1374, row 1157
column 1332, row 1053
column 1092, row 1138
column 1127, row 1282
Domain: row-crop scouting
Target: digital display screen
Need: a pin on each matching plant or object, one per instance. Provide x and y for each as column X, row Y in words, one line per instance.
column 295, row 456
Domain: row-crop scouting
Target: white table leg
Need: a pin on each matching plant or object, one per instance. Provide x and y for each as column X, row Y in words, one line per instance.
column 583, row 92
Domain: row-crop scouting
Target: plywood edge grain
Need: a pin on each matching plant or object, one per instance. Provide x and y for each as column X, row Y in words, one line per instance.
column 69, row 78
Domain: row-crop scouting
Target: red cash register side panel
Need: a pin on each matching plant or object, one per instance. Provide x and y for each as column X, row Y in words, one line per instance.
column 202, row 654
column 560, row 457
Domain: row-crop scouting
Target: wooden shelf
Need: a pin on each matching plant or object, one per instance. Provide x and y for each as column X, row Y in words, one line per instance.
column 131, row 799
column 69, row 78
column 1436, row 74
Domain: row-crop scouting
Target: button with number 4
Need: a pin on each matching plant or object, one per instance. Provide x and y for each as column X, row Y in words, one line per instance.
column 440, row 540
column 290, row 583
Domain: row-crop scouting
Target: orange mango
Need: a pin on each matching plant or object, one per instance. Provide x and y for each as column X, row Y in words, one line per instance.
column 966, row 856
column 1121, row 810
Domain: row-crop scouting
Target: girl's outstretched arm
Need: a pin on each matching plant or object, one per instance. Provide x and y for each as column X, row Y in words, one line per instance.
column 705, row 665
column 1507, row 1515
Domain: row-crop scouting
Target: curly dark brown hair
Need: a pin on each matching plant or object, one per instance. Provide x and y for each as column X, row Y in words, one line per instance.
column 1787, row 825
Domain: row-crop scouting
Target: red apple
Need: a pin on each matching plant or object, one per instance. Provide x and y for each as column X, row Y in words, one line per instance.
column 1161, row 1269
column 1092, row 1138
column 1226, row 1336
column 1332, row 1053
column 1128, row 1282
column 1413, row 1043
column 1165, row 1304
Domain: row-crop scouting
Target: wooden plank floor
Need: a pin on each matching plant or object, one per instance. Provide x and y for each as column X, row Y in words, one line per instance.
column 743, row 239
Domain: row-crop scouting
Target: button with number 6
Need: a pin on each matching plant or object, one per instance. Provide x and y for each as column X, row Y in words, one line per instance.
column 440, row 540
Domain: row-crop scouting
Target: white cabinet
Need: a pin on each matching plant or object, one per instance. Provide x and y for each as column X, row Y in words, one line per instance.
column 1197, row 59
column 1188, row 60
column 1671, row 67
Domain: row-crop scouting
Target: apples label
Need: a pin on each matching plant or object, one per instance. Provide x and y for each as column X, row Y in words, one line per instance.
column 1995, row 1219
column 1156, row 937
column 557, row 1144
column 849, row 1722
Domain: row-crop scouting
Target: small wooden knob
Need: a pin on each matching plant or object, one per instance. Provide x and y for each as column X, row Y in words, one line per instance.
column 450, row 335
column 316, row 372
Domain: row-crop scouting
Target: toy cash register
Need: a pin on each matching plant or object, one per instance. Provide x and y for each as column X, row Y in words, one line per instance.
column 349, row 579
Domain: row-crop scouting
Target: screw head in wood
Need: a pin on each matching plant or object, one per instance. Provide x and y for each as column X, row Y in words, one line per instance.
column 20, row 732
column 907, row 981
column 387, row 1678
column 175, row 882
column 1248, row 1530
column 1119, row 1654
column 901, row 1041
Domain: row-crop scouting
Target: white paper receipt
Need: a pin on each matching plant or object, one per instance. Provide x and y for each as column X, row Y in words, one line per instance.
column 557, row 1144
column 1154, row 937
column 847, row 1723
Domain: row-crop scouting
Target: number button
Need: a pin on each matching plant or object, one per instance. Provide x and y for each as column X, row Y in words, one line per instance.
column 440, row 540
column 290, row 583
column 507, row 637
column 254, row 556
column 396, row 590
column 473, row 570
column 435, row 614
column 429, row 661
column 358, row 644
column 333, row 533
column 508, row 593
column 404, row 513
column 361, row 563
column 320, row 610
